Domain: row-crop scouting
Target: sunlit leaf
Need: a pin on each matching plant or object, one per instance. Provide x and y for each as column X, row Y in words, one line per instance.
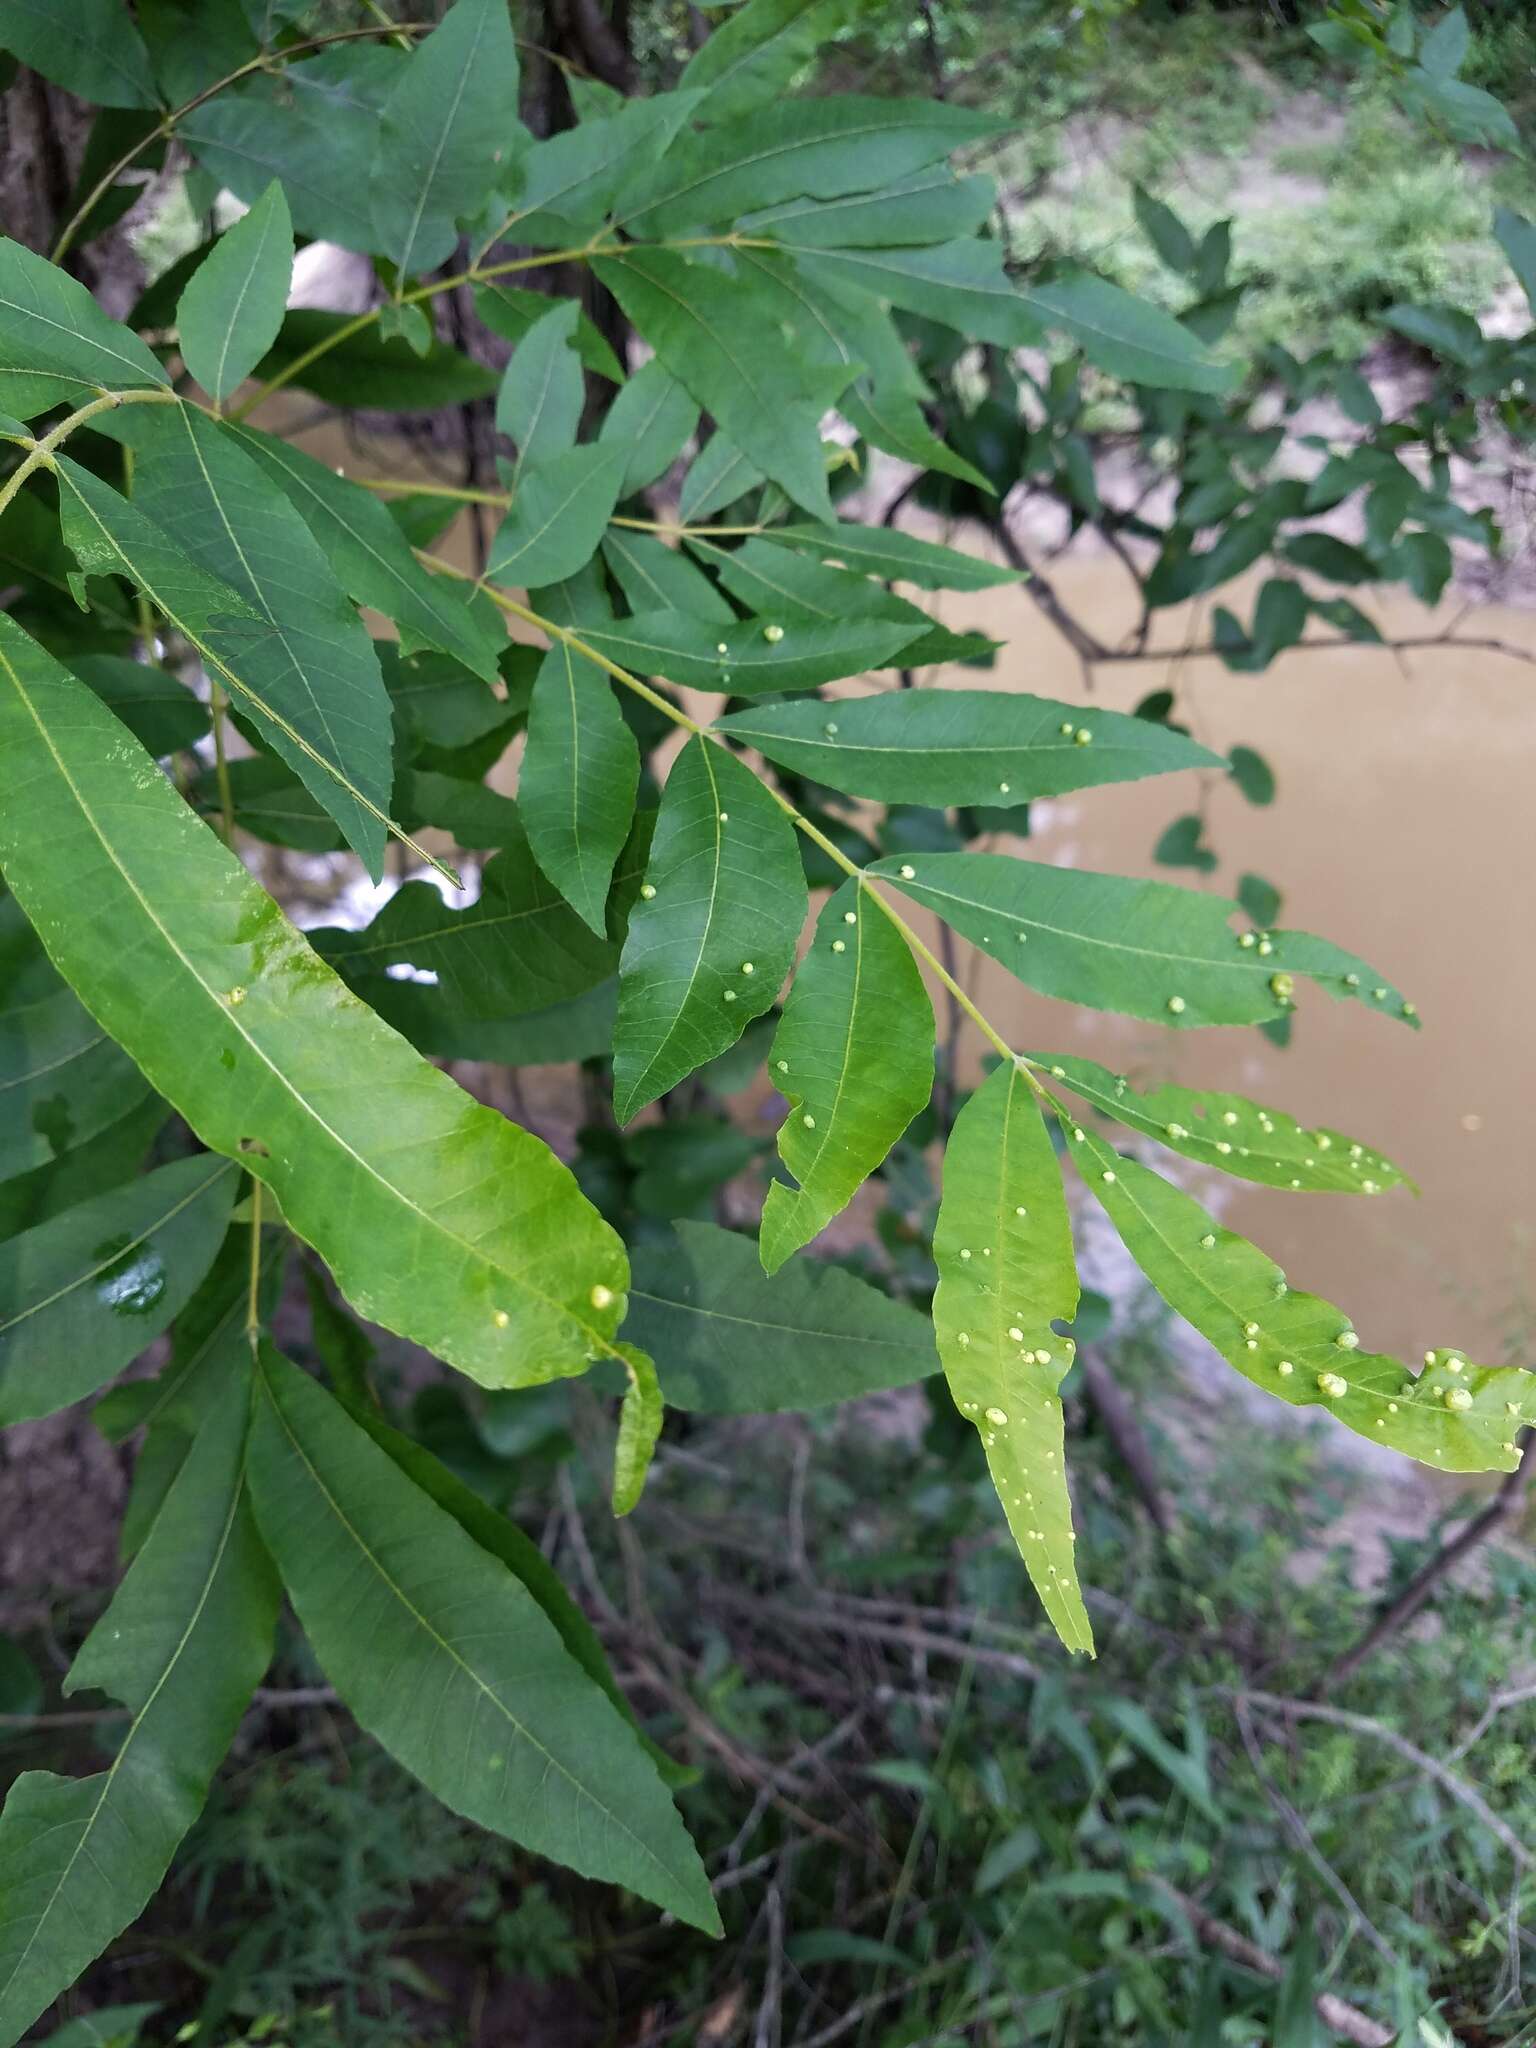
column 640, row 1419
column 853, row 1057
column 1147, row 949
column 1454, row 1415
column 437, row 1217
column 1003, row 1246
column 1231, row 1133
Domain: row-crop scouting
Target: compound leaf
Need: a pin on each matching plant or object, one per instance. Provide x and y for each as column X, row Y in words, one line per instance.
column 1003, row 1247
column 854, row 1059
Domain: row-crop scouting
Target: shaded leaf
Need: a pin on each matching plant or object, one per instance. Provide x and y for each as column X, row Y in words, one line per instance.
column 62, row 1081
column 160, row 712
column 929, row 205
column 730, row 1341
column 654, row 577
column 539, row 404
column 714, row 934
column 576, row 787
column 234, row 302
column 371, row 369
column 1127, row 336
column 449, row 1661
column 54, row 333
column 443, row 133
column 754, row 54
column 641, row 1414
column 1003, row 1246
column 887, row 551
column 653, row 415
column 853, row 1058
column 90, row 47
column 182, row 1645
column 83, row 1294
column 750, row 657
column 558, row 513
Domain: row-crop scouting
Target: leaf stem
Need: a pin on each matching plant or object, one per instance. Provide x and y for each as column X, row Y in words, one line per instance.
column 39, row 455
column 253, row 1290
column 833, row 851
column 166, row 126
column 462, row 494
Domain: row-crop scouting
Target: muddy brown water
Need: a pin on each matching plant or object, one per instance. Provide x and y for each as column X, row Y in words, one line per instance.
column 1405, row 829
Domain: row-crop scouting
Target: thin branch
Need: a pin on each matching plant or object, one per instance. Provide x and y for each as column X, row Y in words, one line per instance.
column 1399, row 1612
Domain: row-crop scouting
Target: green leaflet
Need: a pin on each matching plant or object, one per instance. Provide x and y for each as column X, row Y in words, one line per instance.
column 54, row 331
column 519, row 948
column 510, row 310
column 942, row 747
column 449, row 1661
column 853, row 1058
column 757, row 51
column 654, row 577
column 717, row 476
column 641, row 1413
column 709, row 331
column 960, row 284
column 1003, row 1246
column 930, row 205
column 576, row 787
column 1127, row 336
column 815, row 148
column 654, row 416
column 315, row 128
column 270, row 803
column 710, row 943
column 733, row 1342
column 539, row 404
column 183, row 1643
column 371, row 557
column 581, row 1028
column 266, row 664
column 90, row 47
column 567, row 182
column 1454, row 1415
column 438, row 1218
column 887, row 551
column 160, row 712
column 475, row 814
column 113, row 1156
column 784, row 586
column 234, row 301
column 1231, row 1133
column 444, row 133
column 558, row 514
column 1146, row 949
column 83, row 1294
column 62, row 1080
column 750, row 657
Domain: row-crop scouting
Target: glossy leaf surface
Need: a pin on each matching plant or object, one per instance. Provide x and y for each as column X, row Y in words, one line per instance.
column 449, row 1661
column 853, row 1057
column 84, row 1293
column 1003, row 1247
column 438, row 1217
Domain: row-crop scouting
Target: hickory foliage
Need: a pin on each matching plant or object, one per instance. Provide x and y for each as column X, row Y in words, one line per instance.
column 191, row 1087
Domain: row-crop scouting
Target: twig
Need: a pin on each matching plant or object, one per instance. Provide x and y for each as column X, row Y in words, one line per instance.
column 1362, row 1724
column 1345, row 2019
column 1399, row 1612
